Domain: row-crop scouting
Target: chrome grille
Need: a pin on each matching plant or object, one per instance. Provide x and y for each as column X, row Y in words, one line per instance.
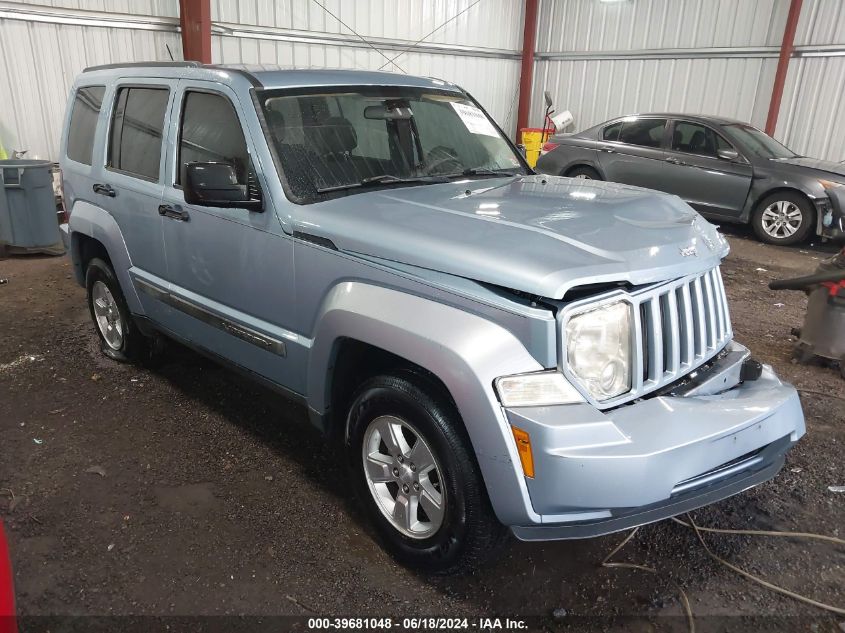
column 678, row 326
column 681, row 325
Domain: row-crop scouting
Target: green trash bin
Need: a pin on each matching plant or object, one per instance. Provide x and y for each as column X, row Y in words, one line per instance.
column 28, row 222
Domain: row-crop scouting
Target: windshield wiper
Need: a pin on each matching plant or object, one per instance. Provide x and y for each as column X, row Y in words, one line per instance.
column 484, row 171
column 384, row 179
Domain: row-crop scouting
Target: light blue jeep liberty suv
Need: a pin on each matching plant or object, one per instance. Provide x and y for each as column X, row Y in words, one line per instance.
column 495, row 351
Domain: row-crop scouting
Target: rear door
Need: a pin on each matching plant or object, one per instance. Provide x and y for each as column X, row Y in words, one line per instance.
column 695, row 172
column 631, row 151
column 130, row 184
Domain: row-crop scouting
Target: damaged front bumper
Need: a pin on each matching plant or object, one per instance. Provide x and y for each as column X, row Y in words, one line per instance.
column 831, row 214
column 598, row 472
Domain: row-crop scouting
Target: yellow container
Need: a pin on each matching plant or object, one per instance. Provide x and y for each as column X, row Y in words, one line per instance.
column 533, row 139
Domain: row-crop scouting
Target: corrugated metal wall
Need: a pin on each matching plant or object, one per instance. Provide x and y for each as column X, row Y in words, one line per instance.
column 45, row 44
column 601, row 60
column 598, row 59
column 40, row 59
column 812, row 116
column 478, row 48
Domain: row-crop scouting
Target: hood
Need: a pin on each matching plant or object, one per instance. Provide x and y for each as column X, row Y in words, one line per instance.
column 538, row 234
column 828, row 166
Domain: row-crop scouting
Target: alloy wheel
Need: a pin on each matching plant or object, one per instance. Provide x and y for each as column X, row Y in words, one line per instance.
column 404, row 477
column 107, row 315
column 781, row 219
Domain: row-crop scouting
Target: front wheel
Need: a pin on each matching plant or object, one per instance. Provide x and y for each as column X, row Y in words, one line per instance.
column 413, row 469
column 783, row 218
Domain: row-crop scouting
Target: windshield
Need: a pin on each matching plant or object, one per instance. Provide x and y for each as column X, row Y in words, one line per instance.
column 347, row 139
column 757, row 142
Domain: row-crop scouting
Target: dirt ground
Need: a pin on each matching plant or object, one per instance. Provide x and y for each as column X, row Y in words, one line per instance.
column 186, row 490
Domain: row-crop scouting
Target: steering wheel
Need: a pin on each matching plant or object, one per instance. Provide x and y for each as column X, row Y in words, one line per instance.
column 440, row 156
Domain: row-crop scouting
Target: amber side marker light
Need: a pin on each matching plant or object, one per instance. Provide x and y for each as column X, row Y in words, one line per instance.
column 523, row 445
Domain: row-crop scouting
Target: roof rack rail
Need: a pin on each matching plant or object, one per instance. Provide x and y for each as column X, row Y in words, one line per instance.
column 189, row 64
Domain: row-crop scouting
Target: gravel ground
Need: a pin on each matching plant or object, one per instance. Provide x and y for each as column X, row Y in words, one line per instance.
column 186, row 490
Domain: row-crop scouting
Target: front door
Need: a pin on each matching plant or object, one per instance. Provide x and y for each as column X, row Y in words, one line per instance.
column 632, row 153
column 230, row 269
column 695, row 172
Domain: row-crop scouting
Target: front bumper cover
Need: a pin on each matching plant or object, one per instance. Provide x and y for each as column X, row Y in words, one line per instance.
column 831, row 214
column 599, row 472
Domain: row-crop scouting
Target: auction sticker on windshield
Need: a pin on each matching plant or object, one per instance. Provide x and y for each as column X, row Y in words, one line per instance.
column 474, row 119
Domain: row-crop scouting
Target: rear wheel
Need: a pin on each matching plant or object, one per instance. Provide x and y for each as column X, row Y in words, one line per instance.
column 783, row 218
column 584, row 173
column 413, row 470
column 119, row 337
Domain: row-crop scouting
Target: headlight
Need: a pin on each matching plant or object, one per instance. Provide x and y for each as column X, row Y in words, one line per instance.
column 536, row 390
column 598, row 349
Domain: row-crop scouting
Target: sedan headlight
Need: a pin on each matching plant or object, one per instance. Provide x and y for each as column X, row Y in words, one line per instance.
column 598, row 349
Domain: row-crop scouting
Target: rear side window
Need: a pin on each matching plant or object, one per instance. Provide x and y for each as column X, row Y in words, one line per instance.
column 211, row 133
column 136, row 132
column 644, row 132
column 83, row 123
column 611, row 132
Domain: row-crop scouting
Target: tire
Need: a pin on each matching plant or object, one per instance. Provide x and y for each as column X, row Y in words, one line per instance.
column 771, row 227
column 584, row 173
column 120, row 338
column 464, row 533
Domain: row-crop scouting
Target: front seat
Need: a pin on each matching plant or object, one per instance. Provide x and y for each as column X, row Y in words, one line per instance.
column 698, row 142
column 332, row 141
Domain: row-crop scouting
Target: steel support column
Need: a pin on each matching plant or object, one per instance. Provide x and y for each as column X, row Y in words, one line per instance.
column 529, row 41
column 195, row 24
column 786, row 49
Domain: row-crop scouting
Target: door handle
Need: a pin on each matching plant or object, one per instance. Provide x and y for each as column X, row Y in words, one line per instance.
column 674, row 161
column 104, row 190
column 173, row 212
column 608, row 150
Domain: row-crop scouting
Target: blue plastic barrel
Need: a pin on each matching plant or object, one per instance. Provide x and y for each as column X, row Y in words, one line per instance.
column 28, row 221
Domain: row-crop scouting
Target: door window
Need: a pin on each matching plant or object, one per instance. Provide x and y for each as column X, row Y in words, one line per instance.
column 211, row 133
column 136, row 132
column 694, row 138
column 611, row 132
column 643, row 132
column 83, row 123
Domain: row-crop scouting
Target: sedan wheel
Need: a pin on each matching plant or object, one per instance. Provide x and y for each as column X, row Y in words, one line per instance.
column 583, row 173
column 781, row 219
column 784, row 218
column 403, row 476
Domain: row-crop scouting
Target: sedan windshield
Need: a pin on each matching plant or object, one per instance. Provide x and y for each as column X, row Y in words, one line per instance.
column 345, row 140
column 757, row 142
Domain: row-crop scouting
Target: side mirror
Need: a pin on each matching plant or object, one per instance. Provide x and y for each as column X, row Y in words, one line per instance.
column 548, row 96
column 216, row 185
column 728, row 154
column 521, row 149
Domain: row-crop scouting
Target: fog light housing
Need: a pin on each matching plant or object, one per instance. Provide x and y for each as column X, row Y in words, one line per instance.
column 537, row 389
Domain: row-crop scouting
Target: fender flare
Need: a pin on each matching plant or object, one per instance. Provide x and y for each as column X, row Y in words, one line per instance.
column 465, row 351
column 95, row 222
